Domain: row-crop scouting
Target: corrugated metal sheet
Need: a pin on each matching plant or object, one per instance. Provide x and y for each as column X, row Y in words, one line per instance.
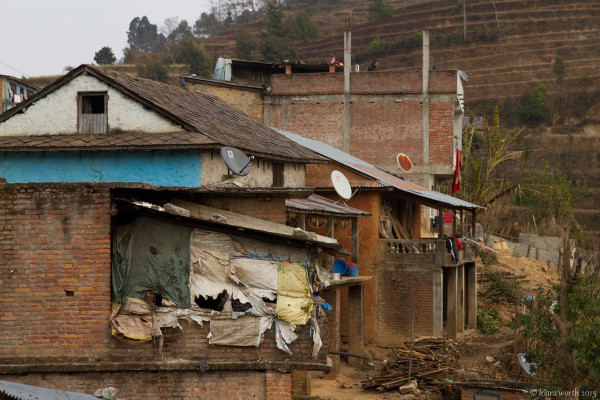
column 380, row 176
column 17, row 391
column 319, row 204
column 326, row 183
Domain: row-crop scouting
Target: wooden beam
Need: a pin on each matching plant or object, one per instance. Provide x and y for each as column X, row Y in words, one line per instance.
column 355, row 243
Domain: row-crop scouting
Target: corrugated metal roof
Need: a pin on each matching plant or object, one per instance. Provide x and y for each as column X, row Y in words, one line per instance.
column 319, row 204
column 355, row 183
column 379, row 175
column 18, row 391
column 198, row 113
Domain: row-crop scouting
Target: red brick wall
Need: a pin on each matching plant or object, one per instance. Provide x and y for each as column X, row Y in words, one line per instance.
column 386, row 116
column 441, row 133
column 361, row 83
column 467, row 394
column 397, row 293
column 278, row 386
column 54, row 240
column 211, row 385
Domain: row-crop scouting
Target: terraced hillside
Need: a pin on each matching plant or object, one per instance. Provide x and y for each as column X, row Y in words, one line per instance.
column 511, row 46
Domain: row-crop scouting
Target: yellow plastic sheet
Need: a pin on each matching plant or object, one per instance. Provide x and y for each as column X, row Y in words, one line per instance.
column 294, row 298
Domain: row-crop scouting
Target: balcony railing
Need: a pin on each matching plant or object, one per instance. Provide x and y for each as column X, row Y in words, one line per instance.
column 424, row 252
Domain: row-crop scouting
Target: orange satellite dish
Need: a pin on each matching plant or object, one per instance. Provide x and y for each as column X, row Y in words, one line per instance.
column 404, row 162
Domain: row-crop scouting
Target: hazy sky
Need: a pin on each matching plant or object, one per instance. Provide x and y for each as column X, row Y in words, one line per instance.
column 41, row 37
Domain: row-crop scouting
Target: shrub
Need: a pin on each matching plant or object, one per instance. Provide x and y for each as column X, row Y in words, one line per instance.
column 500, row 290
column 487, row 321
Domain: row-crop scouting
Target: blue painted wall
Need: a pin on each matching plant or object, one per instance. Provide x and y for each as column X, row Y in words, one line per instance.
column 161, row 167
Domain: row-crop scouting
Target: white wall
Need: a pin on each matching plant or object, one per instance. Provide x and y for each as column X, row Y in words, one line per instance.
column 56, row 113
column 261, row 173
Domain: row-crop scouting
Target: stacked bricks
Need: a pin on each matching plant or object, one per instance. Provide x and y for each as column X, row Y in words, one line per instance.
column 278, row 386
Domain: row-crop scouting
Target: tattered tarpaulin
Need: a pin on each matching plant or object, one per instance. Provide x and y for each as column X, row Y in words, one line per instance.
column 151, row 255
column 242, row 331
column 132, row 321
column 294, row 298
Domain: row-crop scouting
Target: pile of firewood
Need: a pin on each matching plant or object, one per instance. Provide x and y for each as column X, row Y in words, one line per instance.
column 432, row 360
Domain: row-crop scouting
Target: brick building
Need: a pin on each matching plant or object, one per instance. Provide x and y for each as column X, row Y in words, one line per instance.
column 130, row 254
column 408, row 269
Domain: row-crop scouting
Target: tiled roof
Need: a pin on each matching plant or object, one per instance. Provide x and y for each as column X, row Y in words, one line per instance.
column 199, row 113
column 105, row 141
column 209, row 115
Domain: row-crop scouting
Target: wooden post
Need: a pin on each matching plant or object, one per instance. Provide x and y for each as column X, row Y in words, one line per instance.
column 302, row 221
column 462, row 224
column 355, row 240
column 330, row 227
column 441, row 223
column 473, row 222
column 453, row 223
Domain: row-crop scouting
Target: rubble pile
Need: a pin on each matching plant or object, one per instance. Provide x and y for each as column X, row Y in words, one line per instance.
column 433, row 360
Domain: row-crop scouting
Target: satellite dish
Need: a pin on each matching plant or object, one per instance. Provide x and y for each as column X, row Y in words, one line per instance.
column 463, row 75
column 404, row 162
column 341, row 185
column 237, row 162
column 530, row 368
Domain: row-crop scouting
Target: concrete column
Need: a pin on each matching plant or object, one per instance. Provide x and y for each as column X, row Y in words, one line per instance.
column 471, row 288
column 355, row 324
column 438, row 303
column 451, row 306
column 460, row 303
column 346, row 114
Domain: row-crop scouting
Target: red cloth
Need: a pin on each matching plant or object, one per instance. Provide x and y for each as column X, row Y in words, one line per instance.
column 447, row 218
column 456, row 181
column 458, row 244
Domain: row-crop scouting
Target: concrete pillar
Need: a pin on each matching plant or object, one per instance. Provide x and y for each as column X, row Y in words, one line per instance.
column 355, row 324
column 332, row 297
column 451, row 306
column 438, row 303
column 460, row 303
column 346, row 113
column 471, row 289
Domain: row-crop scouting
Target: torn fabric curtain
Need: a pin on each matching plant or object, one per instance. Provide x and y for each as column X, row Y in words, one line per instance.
column 154, row 256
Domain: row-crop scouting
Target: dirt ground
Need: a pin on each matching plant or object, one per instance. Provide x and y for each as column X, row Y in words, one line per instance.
column 482, row 356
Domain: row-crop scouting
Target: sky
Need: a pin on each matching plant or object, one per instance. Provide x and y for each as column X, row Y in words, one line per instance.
column 42, row 37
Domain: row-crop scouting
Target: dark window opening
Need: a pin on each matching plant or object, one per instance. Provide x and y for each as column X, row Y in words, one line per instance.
column 92, row 104
column 212, row 304
column 69, row 293
column 238, row 306
column 278, row 175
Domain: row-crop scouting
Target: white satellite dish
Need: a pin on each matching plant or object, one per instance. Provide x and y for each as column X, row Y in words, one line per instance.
column 341, row 185
column 404, row 162
column 237, row 162
column 530, row 368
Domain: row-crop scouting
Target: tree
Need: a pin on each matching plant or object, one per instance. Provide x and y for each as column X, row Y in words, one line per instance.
column 192, row 55
column 143, row 36
column 560, row 69
column 175, row 31
column 274, row 43
column 244, row 45
column 274, row 18
column 379, row 10
column 484, row 154
column 561, row 326
column 154, row 68
column 105, row 56
column 304, row 28
column 534, row 109
column 207, row 25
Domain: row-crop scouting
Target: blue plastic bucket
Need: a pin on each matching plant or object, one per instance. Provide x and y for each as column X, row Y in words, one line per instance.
column 352, row 269
column 340, row 266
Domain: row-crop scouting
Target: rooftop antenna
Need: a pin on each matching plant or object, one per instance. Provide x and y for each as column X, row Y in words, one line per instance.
column 404, row 163
column 341, row 185
column 237, row 162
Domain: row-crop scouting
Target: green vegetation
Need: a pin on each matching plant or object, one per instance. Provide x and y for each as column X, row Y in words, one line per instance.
column 190, row 54
column 487, row 321
column 534, row 109
column 105, row 56
column 244, row 45
column 274, row 44
column 379, row 10
column 154, row 68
